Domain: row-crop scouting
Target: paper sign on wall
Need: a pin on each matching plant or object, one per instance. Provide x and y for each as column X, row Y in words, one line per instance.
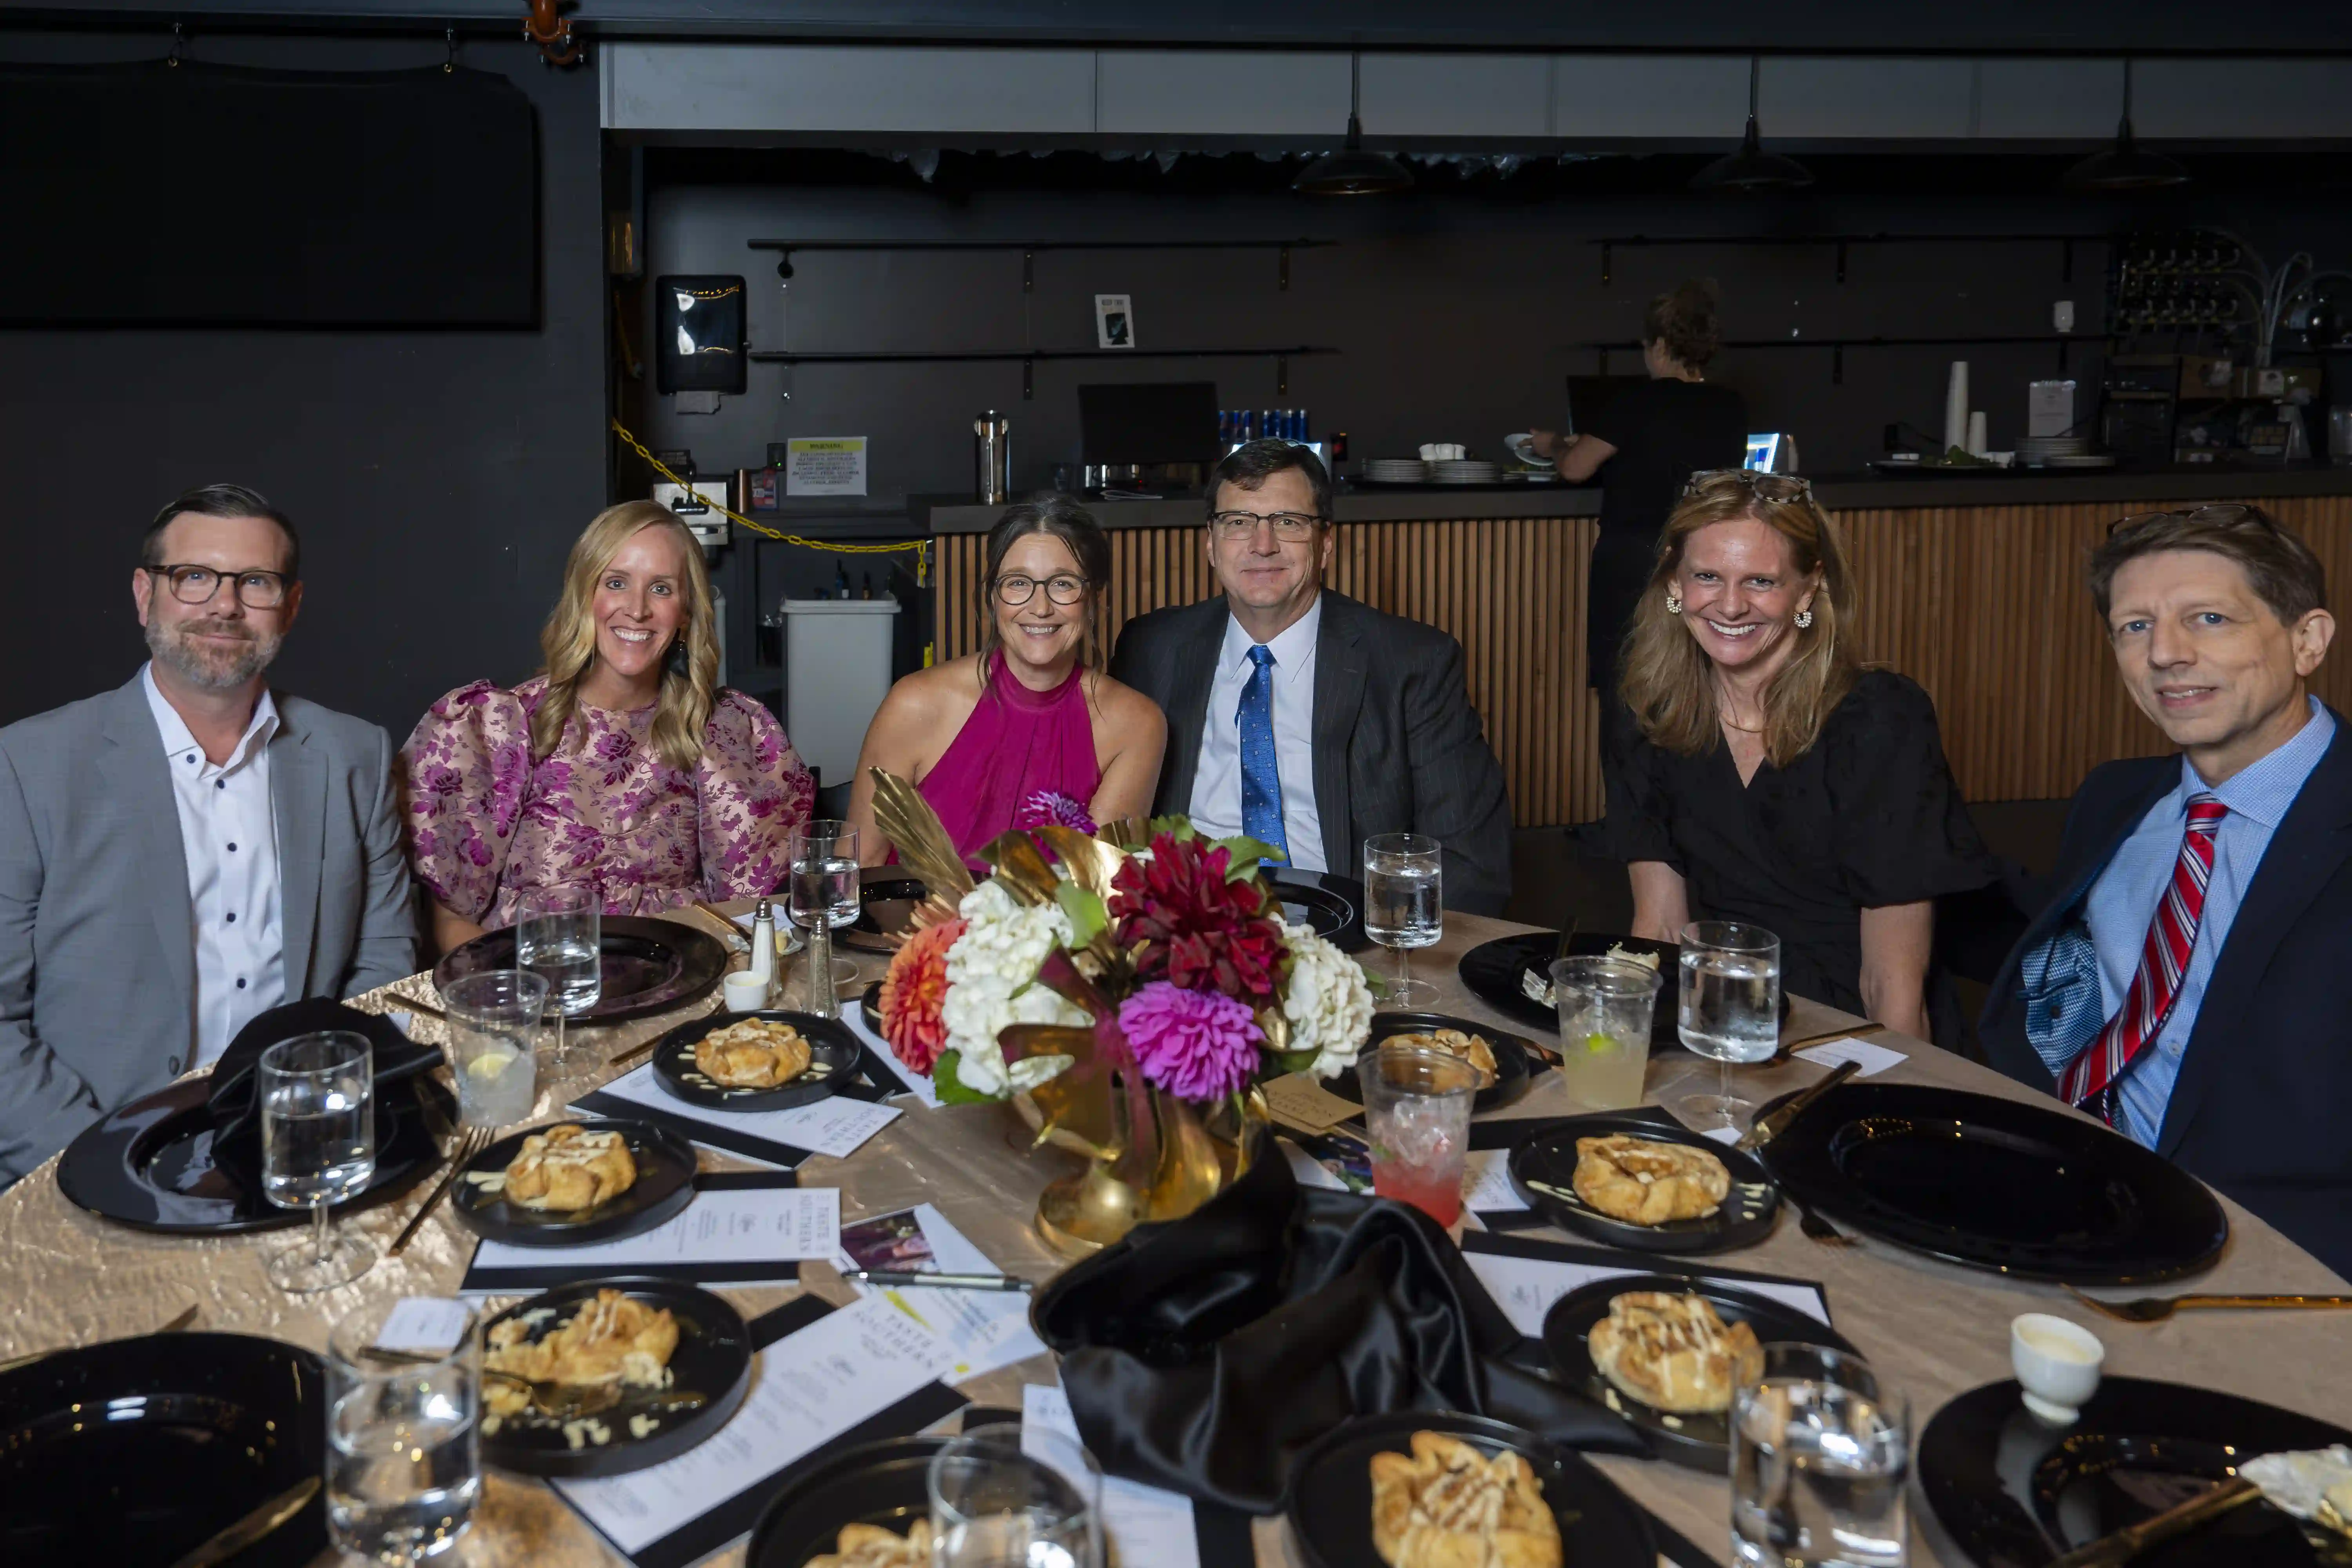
column 825, row 466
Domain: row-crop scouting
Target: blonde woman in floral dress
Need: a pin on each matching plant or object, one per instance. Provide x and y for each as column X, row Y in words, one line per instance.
column 622, row 767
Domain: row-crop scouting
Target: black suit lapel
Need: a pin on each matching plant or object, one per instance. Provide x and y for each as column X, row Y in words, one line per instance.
column 1339, row 694
column 2308, row 848
column 1193, row 670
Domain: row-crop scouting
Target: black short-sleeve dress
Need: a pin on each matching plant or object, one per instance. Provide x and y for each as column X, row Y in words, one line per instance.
column 1869, row 816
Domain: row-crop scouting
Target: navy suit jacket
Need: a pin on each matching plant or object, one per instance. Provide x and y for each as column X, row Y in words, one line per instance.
column 2262, row 1107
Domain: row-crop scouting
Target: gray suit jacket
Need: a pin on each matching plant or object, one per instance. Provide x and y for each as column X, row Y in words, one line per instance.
column 1398, row 748
column 97, row 940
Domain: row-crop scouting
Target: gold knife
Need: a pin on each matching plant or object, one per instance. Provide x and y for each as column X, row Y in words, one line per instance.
column 253, row 1526
column 1768, row 1128
column 2109, row 1551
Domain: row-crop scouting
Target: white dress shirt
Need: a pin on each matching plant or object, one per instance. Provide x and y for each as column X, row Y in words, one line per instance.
column 229, row 830
column 1217, row 778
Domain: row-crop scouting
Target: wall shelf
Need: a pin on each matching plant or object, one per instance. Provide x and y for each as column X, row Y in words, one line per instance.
column 1837, row 346
column 1028, row 358
column 2066, row 242
column 1029, row 248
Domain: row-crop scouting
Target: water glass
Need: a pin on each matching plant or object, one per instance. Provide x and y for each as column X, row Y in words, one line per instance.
column 559, row 935
column 404, row 1425
column 1005, row 1500
column 1606, row 1007
column 317, row 1094
column 1417, row 1110
column 823, row 855
column 1730, row 1010
column 1404, row 906
column 493, row 1033
column 1819, row 1454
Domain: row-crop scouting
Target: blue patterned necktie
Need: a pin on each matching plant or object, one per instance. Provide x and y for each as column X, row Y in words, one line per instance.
column 1260, row 776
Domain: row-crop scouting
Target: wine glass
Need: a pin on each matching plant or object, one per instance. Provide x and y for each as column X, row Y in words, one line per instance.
column 823, row 856
column 1404, row 906
column 317, row 1094
column 559, row 935
column 1729, row 1009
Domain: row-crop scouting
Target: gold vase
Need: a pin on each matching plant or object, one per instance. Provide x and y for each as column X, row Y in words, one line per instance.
column 1166, row 1157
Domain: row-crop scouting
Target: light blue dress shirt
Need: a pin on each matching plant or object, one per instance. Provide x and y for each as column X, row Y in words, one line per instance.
column 2123, row 902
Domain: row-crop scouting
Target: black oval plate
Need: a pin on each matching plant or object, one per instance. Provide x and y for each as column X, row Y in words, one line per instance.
column 150, row 1164
column 869, row 1007
column 665, row 1185
column 713, row 1359
column 1746, row 1217
column 834, row 1056
column 2014, row 1492
column 1333, row 905
column 648, row 965
column 1329, row 1503
column 2001, row 1185
column 199, row 1430
column 1695, row 1441
column 884, row 904
column 1492, row 971
column 1511, row 1064
column 881, row 1484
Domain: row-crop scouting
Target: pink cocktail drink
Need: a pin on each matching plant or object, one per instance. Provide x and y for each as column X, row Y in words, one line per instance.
column 1434, row 1191
column 1417, row 1110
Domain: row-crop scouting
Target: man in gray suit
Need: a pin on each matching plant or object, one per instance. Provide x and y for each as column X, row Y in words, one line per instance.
column 189, row 851
column 1306, row 719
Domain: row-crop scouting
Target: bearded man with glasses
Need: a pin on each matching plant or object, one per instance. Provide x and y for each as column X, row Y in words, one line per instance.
column 190, row 849
column 1303, row 718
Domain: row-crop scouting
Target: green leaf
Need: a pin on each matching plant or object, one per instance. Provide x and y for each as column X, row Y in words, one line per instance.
column 1179, row 827
column 1246, row 853
column 1375, row 983
column 1292, row 1061
column 1088, row 916
column 949, row 1085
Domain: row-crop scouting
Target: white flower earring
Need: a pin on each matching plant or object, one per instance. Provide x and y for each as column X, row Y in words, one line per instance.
column 1804, row 619
column 1674, row 603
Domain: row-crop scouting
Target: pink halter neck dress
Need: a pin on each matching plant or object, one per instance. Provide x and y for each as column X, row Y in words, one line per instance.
column 1016, row 744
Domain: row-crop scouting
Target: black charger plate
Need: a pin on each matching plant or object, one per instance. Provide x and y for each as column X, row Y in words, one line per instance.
column 648, row 965
column 1695, row 1441
column 869, row 1007
column 834, row 1056
column 198, row 1430
column 1746, row 1217
column 1330, row 1494
column 2014, row 1492
column 884, row 905
column 1511, row 1064
column 2001, row 1185
column 881, row 1484
column 713, row 1359
column 665, row 1185
column 1333, row 905
column 1492, row 971
column 150, row 1164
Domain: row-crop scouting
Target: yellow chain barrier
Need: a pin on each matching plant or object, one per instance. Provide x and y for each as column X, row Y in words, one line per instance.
column 921, row 547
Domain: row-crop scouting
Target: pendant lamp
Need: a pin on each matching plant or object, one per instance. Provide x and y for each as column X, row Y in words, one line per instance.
column 1351, row 171
column 2125, row 166
column 1752, row 168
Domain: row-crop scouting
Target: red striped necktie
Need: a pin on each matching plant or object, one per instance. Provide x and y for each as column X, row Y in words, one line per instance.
column 2090, row 1078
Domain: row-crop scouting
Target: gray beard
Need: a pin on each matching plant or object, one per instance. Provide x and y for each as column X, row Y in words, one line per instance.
column 202, row 668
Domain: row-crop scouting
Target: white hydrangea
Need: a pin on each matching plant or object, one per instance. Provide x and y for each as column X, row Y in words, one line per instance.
column 999, row 953
column 1328, row 1004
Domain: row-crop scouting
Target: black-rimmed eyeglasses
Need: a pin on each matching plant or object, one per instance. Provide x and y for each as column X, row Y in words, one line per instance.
column 2229, row 514
column 1767, row 486
column 1293, row 526
column 256, row 590
column 1015, row 589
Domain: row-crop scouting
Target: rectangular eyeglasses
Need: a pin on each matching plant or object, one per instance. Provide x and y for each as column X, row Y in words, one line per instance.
column 257, row 590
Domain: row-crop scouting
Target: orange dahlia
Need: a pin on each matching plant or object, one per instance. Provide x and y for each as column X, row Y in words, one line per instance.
column 914, row 991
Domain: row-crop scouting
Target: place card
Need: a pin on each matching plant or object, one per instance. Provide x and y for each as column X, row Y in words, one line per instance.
column 1299, row 1099
column 836, row 1126
column 1143, row 1526
column 423, row 1325
column 1526, row 1277
column 985, row 1329
column 1871, row 1058
column 741, row 1229
column 1487, row 1188
column 826, row 1380
column 878, row 1049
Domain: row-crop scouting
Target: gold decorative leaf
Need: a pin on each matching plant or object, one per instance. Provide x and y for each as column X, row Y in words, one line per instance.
column 1275, row 1026
column 1127, row 833
column 1021, row 870
column 1091, row 862
column 906, row 819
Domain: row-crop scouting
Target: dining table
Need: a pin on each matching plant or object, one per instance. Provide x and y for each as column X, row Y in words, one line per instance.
column 1931, row 1330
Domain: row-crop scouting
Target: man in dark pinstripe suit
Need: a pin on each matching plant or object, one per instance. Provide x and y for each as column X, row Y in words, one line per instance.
column 1304, row 717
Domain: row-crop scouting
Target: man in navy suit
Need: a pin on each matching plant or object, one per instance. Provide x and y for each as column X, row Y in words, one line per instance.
column 2191, row 979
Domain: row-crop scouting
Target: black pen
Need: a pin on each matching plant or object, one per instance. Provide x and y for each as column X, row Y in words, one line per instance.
column 937, row 1281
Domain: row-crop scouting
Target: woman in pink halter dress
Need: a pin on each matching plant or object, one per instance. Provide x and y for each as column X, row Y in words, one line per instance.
column 1028, row 730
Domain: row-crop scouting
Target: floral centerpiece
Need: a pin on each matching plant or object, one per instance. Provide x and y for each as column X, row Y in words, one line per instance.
column 1127, row 986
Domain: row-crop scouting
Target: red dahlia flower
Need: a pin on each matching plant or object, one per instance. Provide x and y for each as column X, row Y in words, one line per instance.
column 1192, row 927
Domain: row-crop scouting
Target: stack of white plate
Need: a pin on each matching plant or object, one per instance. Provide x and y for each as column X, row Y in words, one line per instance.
column 1395, row 470
column 1466, row 471
column 2061, row 452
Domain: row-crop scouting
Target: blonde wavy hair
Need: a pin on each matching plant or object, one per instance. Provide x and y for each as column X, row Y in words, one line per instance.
column 1668, row 679
column 568, row 641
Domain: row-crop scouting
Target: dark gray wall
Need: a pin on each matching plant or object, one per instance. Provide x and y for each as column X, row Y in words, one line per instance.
column 437, row 477
column 1452, row 305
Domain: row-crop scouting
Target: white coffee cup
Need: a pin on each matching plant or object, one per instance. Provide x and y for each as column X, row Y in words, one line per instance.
column 2057, row 1365
column 746, row 993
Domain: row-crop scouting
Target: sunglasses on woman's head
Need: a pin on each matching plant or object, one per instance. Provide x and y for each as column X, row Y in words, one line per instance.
column 1766, row 485
column 2229, row 514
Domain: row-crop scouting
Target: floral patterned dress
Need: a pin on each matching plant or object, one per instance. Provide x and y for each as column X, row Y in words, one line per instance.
column 604, row 811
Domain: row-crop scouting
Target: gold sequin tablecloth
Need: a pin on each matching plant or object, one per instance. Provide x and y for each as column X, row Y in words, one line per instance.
column 71, row 1278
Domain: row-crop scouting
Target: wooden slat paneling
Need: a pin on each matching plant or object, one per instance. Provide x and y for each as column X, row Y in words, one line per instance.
column 1984, row 607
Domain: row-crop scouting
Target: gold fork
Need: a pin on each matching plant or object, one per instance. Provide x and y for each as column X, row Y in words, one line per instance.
column 469, row 1148
column 2155, row 1309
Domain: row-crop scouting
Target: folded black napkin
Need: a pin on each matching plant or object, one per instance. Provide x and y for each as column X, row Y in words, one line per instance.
column 237, row 1119
column 1206, row 1353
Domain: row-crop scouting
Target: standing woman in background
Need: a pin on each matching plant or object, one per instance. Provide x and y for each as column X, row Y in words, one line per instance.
column 1645, row 445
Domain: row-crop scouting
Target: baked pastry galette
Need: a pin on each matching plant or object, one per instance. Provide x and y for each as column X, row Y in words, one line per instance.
column 1673, row 1352
column 754, row 1053
column 1645, row 1182
column 1446, row 1505
column 569, row 1168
